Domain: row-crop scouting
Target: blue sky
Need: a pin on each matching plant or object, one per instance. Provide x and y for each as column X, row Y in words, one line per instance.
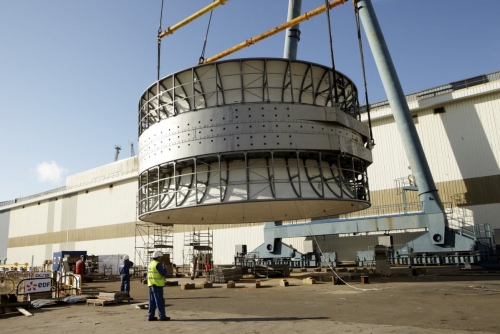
column 72, row 72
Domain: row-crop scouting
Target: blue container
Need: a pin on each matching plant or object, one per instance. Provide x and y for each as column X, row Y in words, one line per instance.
column 73, row 256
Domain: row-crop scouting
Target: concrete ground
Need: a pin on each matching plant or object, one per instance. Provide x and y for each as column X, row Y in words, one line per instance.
column 439, row 301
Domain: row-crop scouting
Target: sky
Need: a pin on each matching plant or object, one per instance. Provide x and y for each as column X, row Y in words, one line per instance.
column 72, row 72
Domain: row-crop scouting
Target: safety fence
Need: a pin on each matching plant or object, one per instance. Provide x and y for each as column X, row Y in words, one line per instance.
column 62, row 286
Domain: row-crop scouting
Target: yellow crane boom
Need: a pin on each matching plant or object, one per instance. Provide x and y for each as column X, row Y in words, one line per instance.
column 170, row 30
column 281, row 27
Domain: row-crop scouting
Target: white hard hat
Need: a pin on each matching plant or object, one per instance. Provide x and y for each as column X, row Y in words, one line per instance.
column 125, row 257
column 157, row 254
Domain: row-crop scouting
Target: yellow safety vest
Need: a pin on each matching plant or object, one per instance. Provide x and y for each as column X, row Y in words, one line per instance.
column 154, row 276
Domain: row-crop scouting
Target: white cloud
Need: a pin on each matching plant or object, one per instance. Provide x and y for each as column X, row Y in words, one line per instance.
column 49, row 172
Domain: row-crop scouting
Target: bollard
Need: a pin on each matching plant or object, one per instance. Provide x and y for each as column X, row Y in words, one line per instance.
column 309, row 280
column 206, row 285
column 187, row 286
column 284, row 282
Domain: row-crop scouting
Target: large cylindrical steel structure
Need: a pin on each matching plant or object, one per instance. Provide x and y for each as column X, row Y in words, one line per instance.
column 251, row 140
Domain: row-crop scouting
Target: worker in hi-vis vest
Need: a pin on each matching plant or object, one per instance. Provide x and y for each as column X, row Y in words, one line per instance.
column 156, row 282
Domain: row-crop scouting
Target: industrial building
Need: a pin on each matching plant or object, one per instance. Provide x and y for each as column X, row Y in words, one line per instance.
column 97, row 210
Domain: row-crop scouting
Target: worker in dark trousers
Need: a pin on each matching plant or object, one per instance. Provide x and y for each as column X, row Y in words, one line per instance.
column 124, row 269
column 156, row 282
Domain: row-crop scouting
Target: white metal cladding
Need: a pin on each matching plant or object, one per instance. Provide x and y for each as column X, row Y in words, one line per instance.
column 267, row 154
column 241, row 81
column 102, row 174
column 107, row 205
column 24, row 255
column 224, row 240
column 388, row 154
column 32, row 219
column 488, row 213
column 459, row 144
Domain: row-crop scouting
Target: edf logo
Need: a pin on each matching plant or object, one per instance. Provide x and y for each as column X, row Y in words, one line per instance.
column 39, row 285
column 31, row 286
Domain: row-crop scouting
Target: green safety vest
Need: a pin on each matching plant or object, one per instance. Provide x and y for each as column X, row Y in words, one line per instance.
column 154, row 276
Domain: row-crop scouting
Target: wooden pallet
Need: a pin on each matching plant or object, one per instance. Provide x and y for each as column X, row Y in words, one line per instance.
column 10, row 311
column 106, row 298
column 101, row 301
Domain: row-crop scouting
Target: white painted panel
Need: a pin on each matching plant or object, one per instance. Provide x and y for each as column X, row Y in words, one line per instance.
column 58, row 215
column 461, row 143
column 389, row 157
column 297, row 243
column 225, row 241
column 28, row 220
column 23, row 255
column 485, row 214
column 107, row 206
column 103, row 173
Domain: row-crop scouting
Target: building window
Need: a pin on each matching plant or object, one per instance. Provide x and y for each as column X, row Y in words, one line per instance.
column 439, row 110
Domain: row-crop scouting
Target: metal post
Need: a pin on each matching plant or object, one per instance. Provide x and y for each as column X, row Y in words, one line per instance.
column 292, row 37
column 425, row 183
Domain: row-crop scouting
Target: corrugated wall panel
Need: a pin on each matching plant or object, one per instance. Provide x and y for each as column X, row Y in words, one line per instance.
column 489, row 116
column 106, row 206
column 102, row 173
column 389, row 157
column 461, row 143
column 485, row 214
column 436, row 145
column 28, row 220
column 297, row 243
column 58, row 214
column 24, row 255
column 224, row 243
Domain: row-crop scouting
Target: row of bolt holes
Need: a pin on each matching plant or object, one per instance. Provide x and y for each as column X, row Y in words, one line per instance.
column 250, row 136
column 211, row 130
column 251, row 144
column 223, row 118
column 312, row 127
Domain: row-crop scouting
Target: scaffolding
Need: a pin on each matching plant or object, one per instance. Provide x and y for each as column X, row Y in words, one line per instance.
column 151, row 237
column 199, row 254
